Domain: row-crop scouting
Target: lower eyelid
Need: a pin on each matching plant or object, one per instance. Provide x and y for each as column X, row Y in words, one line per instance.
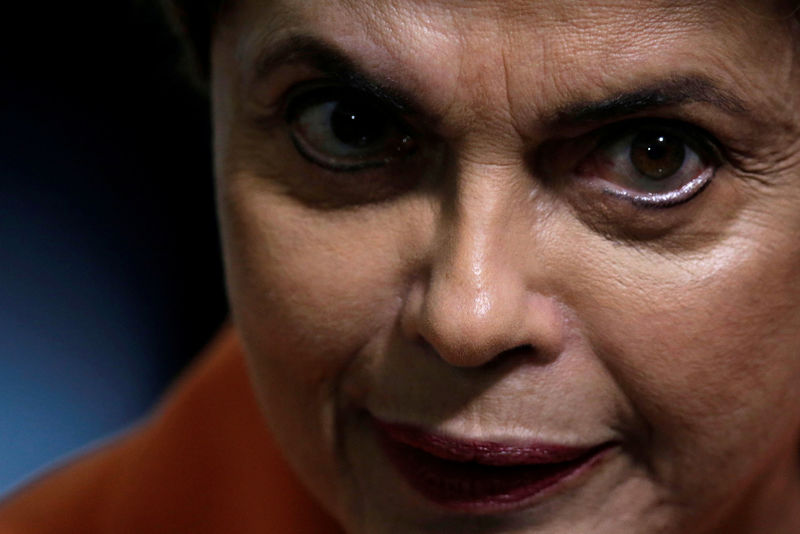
column 320, row 99
column 667, row 199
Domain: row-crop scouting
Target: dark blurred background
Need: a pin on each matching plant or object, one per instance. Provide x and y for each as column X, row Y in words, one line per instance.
column 110, row 279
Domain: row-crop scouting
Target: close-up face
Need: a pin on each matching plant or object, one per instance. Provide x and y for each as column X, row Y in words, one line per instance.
column 519, row 266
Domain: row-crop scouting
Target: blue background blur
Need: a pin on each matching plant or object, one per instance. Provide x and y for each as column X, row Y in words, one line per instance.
column 109, row 272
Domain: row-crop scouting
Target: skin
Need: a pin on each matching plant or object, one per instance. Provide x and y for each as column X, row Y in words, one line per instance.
column 494, row 294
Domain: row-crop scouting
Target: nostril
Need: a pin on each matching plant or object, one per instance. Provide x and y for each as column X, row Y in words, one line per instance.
column 526, row 353
column 470, row 314
column 521, row 350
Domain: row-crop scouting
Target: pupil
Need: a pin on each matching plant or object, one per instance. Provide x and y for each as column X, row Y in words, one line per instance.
column 356, row 125
column 657, row 156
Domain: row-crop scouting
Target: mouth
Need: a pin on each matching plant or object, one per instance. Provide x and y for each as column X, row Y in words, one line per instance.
column 483, row 476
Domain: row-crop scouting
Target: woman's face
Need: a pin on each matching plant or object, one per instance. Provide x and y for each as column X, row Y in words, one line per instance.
column 520, row 266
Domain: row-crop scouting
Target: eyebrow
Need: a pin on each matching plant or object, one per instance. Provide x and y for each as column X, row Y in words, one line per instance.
column 336, row 64
column 671, row 91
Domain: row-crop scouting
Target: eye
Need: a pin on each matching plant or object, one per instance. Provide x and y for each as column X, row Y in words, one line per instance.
column 344, row 129
column 652, row 163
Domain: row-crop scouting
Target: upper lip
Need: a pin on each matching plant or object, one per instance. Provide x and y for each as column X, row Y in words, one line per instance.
column 486, row 452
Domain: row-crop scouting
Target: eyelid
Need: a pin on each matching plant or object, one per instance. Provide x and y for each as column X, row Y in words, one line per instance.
column 559, row 161
column 559, row 156
column 670, row 198
column 696, row 137
column 304, row 96
column 373, row 95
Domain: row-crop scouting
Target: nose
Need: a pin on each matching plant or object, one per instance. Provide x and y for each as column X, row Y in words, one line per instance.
column 481, row 295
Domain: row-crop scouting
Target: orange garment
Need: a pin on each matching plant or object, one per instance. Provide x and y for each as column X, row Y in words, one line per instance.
column 204, row 463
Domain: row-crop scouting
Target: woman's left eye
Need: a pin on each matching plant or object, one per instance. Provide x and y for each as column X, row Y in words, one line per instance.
column 659, row 163
column 344, row 129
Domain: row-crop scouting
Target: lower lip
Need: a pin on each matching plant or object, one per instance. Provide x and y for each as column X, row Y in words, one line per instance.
column 483, row 477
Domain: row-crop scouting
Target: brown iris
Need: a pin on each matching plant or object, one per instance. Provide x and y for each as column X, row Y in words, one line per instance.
column 657, row 155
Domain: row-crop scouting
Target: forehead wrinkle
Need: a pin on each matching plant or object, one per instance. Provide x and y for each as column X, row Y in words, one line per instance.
column 428, row 46
column 433, row 53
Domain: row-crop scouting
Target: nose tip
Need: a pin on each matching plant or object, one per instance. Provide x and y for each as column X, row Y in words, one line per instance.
column 471, row 324
column 482, row 280
column 466, row 330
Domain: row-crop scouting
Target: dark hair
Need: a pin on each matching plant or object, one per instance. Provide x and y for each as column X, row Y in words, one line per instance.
column 194, row 21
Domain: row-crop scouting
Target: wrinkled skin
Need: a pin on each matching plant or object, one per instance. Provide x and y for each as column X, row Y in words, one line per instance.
column 481, row 287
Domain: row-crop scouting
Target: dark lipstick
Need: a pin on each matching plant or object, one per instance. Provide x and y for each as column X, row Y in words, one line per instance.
column 481, row 476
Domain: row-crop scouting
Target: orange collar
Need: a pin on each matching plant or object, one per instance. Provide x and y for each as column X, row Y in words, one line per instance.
column 203, row 463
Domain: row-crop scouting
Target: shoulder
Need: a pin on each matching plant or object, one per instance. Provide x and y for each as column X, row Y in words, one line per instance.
column 69, row 498
column 203, row 462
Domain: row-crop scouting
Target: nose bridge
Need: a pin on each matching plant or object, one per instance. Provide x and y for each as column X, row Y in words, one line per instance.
column 476, row 302
column 463, row 286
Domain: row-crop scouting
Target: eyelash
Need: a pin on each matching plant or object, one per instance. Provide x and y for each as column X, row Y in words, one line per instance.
column 698, row 148
column 348, row 110
column 333, row 105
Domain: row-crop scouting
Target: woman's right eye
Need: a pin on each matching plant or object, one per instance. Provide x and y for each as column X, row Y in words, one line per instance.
column 344, row 129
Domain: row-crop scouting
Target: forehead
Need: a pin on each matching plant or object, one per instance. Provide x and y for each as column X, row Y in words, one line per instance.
column 476, row 53
column 406, row 27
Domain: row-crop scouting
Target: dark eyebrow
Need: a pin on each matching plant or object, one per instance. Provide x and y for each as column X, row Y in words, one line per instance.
column 335, row 64
column 671, row 91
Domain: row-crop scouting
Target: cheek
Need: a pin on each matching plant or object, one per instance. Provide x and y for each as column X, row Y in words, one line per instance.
column 308, row 292
column 301, row 290
column 310, row 289
column 707, row 351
